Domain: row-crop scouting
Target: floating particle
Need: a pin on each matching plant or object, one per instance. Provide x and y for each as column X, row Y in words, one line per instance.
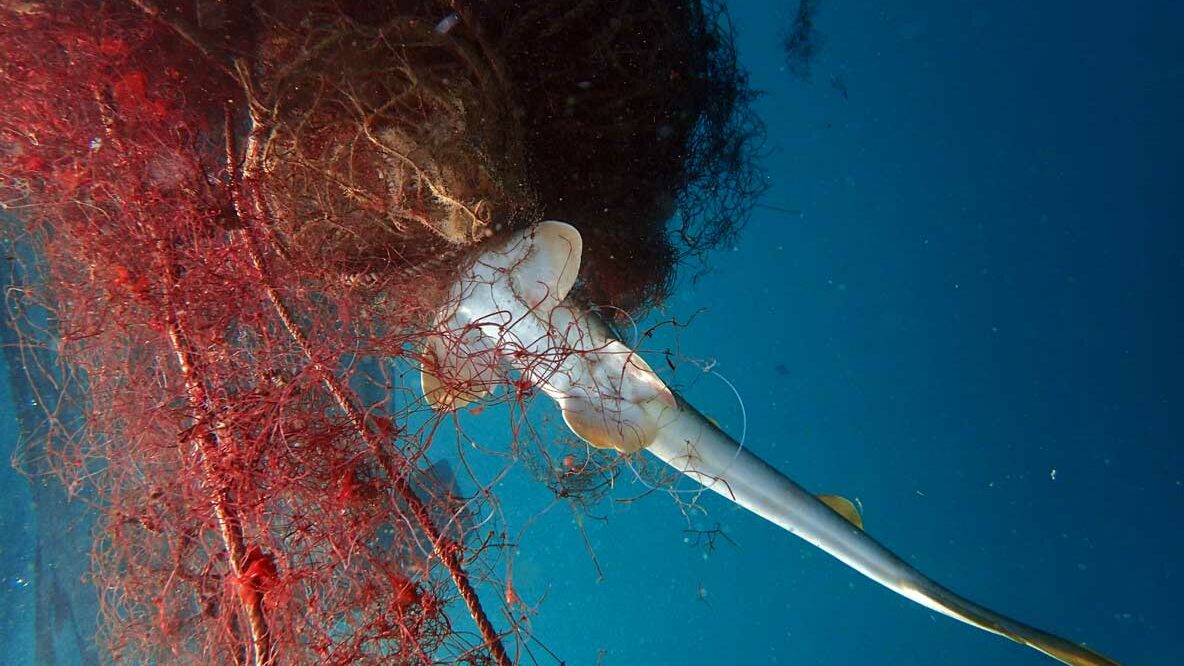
column 447, row 23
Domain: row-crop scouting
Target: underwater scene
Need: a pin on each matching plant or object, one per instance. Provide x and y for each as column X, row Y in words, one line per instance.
column 606, row 332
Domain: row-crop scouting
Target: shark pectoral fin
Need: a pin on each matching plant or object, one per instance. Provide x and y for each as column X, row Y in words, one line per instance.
column 433, row 391
column 450, row 381
column 441, row 396
column 546, row 274
column 623, row 426
column 844, row 507
column 639, row 383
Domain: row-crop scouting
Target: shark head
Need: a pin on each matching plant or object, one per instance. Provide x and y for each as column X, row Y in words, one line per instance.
column 507, row 313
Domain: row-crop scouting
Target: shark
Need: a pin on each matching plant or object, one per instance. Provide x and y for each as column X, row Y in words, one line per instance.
column 508, row 320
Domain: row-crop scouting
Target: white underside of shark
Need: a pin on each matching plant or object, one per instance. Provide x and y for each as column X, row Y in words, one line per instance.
column 508, row 310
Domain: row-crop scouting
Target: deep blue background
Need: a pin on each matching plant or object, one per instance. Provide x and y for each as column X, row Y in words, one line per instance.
column 983, row 285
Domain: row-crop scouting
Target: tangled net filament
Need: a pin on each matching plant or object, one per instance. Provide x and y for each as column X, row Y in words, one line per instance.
column 230, row 216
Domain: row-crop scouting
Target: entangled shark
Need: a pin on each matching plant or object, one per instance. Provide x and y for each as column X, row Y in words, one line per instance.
column 509, row 311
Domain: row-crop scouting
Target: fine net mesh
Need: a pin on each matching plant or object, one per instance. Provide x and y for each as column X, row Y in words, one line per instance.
column 230, row 226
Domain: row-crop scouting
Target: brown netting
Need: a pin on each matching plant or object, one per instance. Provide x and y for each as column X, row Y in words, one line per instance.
column 232, row 224
column 399, row 162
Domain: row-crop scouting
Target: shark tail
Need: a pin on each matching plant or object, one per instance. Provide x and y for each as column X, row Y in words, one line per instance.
column 931, row 595
column 1058, row 648
column 695, row 446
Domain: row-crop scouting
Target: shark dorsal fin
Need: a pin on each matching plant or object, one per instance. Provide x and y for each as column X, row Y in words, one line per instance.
column 844, row 507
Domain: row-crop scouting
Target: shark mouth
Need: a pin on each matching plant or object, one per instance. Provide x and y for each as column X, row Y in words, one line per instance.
column 509, row 311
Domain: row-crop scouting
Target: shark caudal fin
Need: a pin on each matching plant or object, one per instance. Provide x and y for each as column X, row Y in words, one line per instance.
column 1081, row 655
column 1076, row 655
column 1064, row 651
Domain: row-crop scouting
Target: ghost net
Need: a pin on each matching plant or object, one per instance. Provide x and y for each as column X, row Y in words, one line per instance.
column 233, row 222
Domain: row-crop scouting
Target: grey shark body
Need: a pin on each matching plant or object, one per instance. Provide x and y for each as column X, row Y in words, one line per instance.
column 508, row 313
column 692, row 444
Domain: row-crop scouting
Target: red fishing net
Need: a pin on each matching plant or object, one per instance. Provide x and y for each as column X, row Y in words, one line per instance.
column 233, row 223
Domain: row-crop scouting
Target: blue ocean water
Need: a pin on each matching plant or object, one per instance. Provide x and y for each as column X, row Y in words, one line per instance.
column 961, row 305
column 972, row 325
